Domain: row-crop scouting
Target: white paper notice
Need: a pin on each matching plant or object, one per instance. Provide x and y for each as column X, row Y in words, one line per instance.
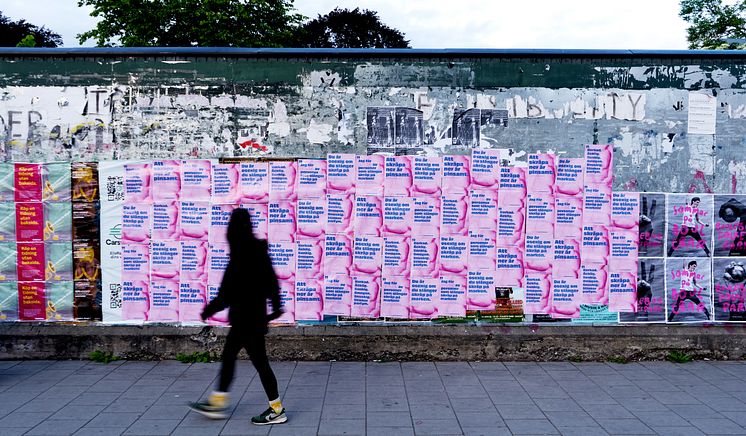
column 702, row 110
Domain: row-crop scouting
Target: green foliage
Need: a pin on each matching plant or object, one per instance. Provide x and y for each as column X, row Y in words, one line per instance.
column 196, row 357
column 17, row 33
column 28, row 41
column 619, row 359
column 344, row 28
column 102, row 356
column 182, row 23
column 575, row 359
column 678, row 357
column 711, row 22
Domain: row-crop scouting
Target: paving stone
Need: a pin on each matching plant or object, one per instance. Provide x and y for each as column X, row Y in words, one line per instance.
column 531, row 426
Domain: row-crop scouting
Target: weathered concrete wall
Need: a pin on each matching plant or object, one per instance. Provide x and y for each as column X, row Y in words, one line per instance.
column 365, row 343
column 100, row 105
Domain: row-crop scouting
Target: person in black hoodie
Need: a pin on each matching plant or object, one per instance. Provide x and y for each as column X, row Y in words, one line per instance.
column 249, row 281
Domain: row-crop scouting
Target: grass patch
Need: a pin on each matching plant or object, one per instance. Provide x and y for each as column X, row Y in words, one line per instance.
column 619, row 359
column 575, row 359
column 196, row 357
column 678, row 357
column 102, row 356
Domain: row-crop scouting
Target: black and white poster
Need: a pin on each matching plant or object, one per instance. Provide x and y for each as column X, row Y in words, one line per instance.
column 688, row 289
column 652, row 224
column 729, row 277
column 651, row 293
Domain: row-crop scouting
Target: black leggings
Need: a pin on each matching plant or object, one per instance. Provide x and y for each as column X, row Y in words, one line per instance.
column 694, row 233
column 254, row 344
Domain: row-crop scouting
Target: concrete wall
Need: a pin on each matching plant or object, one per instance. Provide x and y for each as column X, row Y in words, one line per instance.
column 117, row 104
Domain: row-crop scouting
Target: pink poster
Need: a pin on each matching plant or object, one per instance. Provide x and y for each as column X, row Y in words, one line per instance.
column 32, row 301
column 569, row 179
column 137, row 183
column 482, row 246
column 595, row 282
column 483, row 211
column 30, row 222
column 337, row 254
column 194, row 219
column 136, row 218
column 282, row 180
column 311, row 180
column 27, row 182
column 165, row 260
column 220, row 318
column 565, row 296
column 254, row 181
column 568, row 216
column 511, row 229
column 370, row 175
column 427, row 176
column 398, row 216
column 196, row 179
column 287, row 298
column 339, row 210
column 165, row 221
column 597, row 205
column 337, row 294
column 341, row 173
column 426, row 220
column 136, row 262
column 456, row 175
column 541, row 173
column 192, row 300
column 625, row 211
column 513, row 181
column 425, row 256
column 480, row 290
column 567, row 256
column 164, row 301
column 454, row 215
column 395, row 297
column 624, row 247
column 220, row 215
column 283, row 259
column 397, row 256
column 310, row 259
column 540, row 213
column 598, row 164
column 259, row 213
column 485, row 169
column 510, row 267
column 538, row 254
column 367, row 256
column 366, row 296
column 424, row 297
column 368, row 215
column 398, row 177
column 166, row 180
column 226, row 180
column 595, row 244
column 31, row 261
column 538, row 289
column 311, row 218
column 454, row 254
column 281, row 223
column 194, row 255
column 135, row 299
column 309, row 301
column 219, row 255
column 622, row 290
column 452, row 295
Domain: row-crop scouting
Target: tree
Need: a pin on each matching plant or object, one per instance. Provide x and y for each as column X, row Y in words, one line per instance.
column 711, row 22
column 188, row 23
column 344, row 28
column 13, row 33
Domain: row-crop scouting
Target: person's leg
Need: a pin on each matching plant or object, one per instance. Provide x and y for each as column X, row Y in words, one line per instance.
column 697, row 237
column 675, row 243
column 675, row 309
column 697, row 301
column 231, row 349
column 255, row 346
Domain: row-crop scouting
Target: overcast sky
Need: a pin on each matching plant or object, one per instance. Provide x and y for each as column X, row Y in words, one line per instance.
column 569, row 24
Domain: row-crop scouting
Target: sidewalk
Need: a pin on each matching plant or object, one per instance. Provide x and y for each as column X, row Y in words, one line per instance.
column 330, row 398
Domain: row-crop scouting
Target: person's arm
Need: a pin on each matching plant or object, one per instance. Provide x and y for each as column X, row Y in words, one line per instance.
column 221, row 301
column 272, row 284
column 696, row 218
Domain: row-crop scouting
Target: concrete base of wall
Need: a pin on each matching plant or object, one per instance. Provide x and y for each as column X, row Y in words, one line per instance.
column 365, row 343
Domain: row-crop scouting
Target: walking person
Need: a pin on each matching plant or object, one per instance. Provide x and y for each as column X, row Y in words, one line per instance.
column 249, row 281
